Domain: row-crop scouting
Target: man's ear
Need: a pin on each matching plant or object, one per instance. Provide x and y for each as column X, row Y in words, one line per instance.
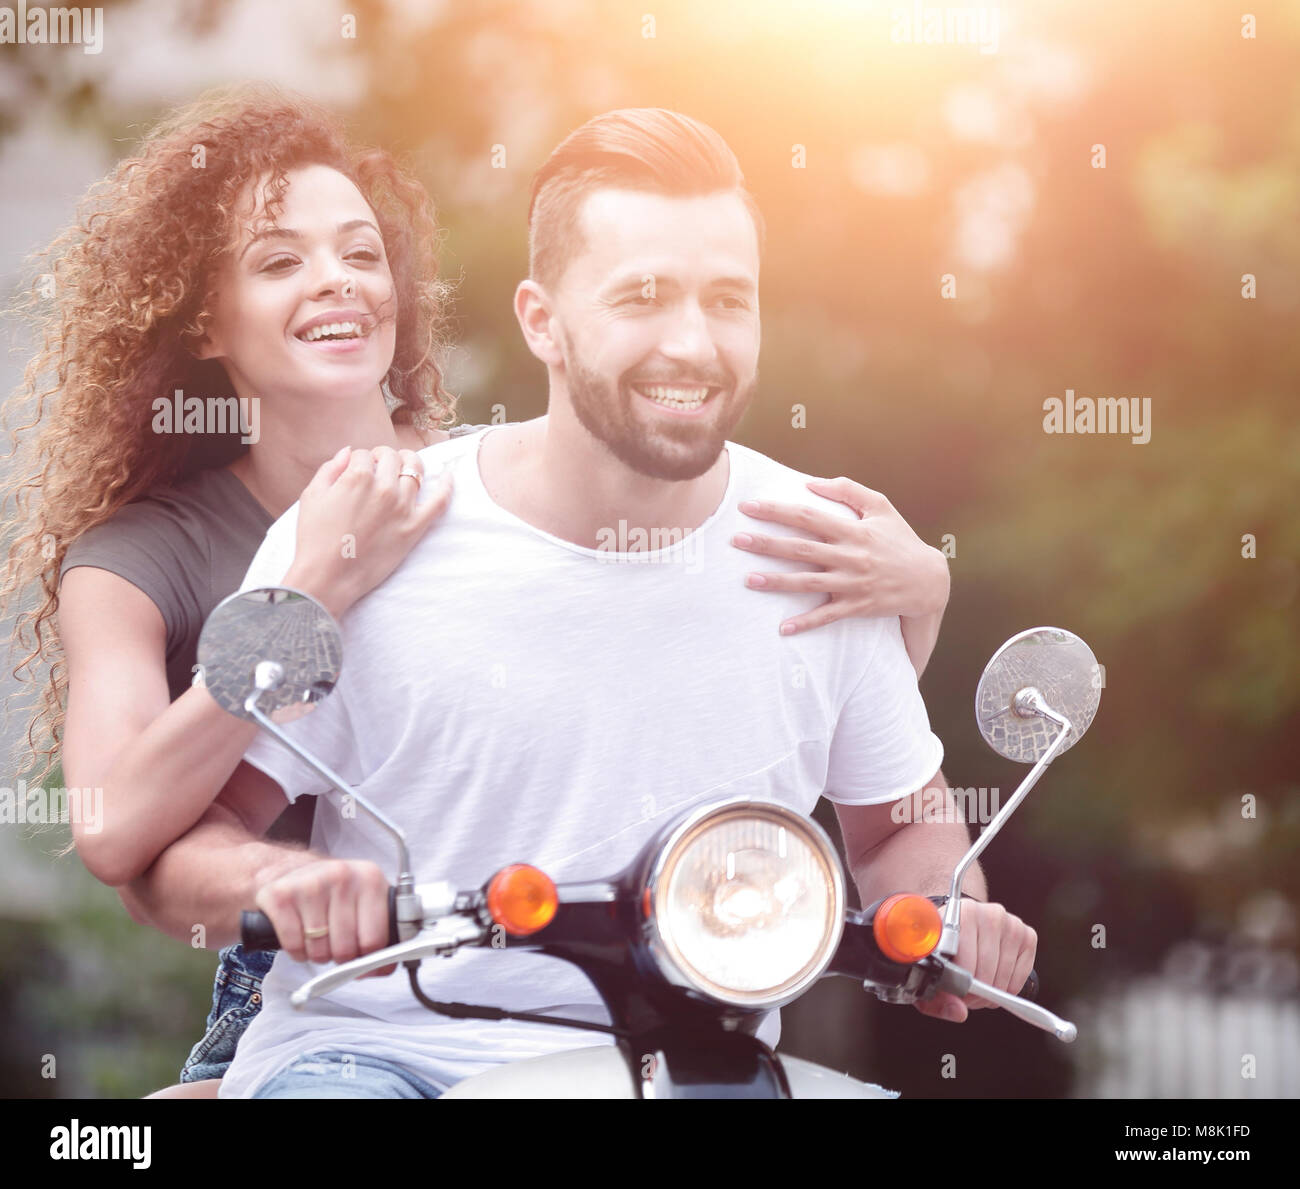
column 533, row 311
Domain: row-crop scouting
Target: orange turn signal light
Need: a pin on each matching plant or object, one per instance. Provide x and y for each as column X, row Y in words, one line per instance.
column 522, row 899
column 907, row 927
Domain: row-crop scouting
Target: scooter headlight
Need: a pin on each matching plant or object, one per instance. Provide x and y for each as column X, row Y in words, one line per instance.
column 745, row 904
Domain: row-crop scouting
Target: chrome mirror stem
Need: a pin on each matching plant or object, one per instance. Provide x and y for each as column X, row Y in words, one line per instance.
column 267, row 678
column 1027, row 702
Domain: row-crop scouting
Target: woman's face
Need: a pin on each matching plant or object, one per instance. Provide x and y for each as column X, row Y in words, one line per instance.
column 305, row 307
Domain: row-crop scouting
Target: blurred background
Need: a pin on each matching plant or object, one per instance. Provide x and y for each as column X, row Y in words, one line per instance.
column 964, row 220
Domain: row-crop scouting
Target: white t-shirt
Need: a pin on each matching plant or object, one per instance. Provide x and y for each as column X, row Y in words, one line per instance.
column 508, row 696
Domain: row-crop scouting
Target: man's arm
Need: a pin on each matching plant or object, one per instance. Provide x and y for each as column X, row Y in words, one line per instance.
column 901, row 847
column 908, row 845
column 207, row 876
column 224, row 865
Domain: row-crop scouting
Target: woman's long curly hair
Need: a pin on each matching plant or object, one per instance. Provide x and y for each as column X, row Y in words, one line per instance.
column 119, row 300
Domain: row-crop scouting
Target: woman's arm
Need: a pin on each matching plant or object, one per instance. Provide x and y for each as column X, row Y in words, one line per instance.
column 875, row 567
column 158, row 763
column 161, row 763
column 920, row 635
column 224, row 865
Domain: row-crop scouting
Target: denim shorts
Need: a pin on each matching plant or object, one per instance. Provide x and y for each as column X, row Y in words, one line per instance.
column 236, row 999
column 329, row 1073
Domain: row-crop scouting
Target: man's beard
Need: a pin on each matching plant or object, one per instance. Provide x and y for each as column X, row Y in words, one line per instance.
column 657, row 447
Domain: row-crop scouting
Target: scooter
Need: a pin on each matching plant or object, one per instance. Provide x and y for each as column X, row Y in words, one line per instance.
column 735, row 908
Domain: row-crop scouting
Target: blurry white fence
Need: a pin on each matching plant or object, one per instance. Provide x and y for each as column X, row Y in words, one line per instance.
column 1215, row 1024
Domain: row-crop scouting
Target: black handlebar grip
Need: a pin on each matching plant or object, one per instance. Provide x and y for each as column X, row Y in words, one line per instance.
column 257, row 933
column 392, row 916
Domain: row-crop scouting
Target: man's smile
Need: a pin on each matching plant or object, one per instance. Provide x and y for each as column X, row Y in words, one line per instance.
column 682, row 399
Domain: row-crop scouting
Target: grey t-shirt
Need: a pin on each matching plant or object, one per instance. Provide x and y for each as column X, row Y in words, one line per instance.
column 187, row 547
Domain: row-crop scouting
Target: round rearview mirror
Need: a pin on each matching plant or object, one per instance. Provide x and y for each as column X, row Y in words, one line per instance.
column 1061, row 667
column 278, row 640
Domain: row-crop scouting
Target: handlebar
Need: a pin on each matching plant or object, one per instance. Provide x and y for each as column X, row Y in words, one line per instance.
column 428, row 905
column 257, row 933
column 961, row 983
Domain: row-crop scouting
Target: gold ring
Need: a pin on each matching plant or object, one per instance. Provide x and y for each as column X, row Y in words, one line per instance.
column 409, row 475
column 312, row 934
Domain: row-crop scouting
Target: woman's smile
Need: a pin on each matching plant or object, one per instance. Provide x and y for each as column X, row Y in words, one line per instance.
column 337, row 332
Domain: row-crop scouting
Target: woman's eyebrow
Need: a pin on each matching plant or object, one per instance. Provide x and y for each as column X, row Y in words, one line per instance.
column 290, row 233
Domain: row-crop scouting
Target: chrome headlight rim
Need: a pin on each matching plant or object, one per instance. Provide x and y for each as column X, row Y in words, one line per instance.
column 658, row 941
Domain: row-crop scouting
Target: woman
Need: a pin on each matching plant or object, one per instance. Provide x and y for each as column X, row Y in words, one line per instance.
column 149, row 526
column 248, row 253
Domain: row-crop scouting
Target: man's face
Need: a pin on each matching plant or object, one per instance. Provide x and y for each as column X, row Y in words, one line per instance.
column 657, row 319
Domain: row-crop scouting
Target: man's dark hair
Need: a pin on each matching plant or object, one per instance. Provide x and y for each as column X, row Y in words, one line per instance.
column 634, row 148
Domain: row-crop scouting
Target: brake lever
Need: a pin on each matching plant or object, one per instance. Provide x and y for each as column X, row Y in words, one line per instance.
column 959, row 982
column 442, row 937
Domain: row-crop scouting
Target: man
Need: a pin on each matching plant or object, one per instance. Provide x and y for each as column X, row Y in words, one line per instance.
column 518, row 690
